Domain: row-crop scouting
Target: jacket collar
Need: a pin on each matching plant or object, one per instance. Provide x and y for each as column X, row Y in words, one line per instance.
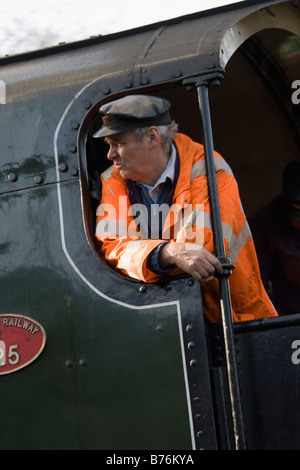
column 188, row 151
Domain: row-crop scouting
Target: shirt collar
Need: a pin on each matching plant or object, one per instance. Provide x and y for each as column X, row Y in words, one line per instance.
column 169, row 171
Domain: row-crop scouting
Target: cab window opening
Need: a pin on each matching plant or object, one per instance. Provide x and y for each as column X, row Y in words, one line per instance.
column 245, row 119
column 253, row 129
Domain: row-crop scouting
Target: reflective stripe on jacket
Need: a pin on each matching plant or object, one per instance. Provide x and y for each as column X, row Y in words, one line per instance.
column 125, row 245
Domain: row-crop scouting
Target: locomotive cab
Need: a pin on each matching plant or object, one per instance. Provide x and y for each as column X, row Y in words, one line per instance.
column 128, row 365
column 254, row 118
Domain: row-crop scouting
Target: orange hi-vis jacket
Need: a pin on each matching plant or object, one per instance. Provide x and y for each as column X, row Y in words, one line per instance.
column 127, row 248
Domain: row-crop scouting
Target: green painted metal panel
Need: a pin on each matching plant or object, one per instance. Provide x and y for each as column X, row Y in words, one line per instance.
column 110, row 376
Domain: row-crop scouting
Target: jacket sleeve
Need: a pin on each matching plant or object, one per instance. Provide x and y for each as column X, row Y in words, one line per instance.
column 249, row 298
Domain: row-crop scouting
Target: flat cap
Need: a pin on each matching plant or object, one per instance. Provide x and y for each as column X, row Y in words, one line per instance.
column 131, row 112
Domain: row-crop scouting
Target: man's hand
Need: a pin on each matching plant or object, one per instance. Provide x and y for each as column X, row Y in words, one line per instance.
column 192, row 259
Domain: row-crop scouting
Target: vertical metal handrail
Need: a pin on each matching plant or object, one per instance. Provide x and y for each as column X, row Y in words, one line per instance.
column 201, row 83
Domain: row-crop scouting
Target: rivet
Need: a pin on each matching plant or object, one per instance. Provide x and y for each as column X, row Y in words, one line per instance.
column 74, row 171
column 193, row 363
column 72, row 148
column 82, row 362
column 196, row 400
column 198, row 417
column 143, row 289
column 191, row 345
column 145, row 81
column 128, row 84
column 38, row 179
column 87, row 104
column 63, row 167
column 106, row 91
column 189, row 328
column 190, row 282
column 75, row 125
column 12, row 177
column 68, row 363
column 200, row 434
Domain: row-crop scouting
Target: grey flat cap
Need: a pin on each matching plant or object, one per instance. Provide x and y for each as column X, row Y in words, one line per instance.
column 131, row 112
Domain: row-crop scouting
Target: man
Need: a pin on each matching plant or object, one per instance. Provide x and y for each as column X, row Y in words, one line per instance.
column 155, row 168
column 276, row 233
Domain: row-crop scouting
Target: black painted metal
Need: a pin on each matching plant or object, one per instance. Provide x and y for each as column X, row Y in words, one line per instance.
column 197, row 365
column 202, row 82
column 268, row 363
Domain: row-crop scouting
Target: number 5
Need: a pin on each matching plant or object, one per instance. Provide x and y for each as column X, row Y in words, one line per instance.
column 13, row 356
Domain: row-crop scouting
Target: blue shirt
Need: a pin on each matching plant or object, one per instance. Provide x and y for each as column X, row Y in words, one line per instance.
column 153, row 196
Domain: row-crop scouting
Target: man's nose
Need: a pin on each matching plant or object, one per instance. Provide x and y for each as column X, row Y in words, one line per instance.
column 112, row 153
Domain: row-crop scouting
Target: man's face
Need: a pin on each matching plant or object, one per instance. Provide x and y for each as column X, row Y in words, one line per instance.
column 131, row 156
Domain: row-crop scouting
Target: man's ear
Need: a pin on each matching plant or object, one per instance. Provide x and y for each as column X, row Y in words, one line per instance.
column 154, row 136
